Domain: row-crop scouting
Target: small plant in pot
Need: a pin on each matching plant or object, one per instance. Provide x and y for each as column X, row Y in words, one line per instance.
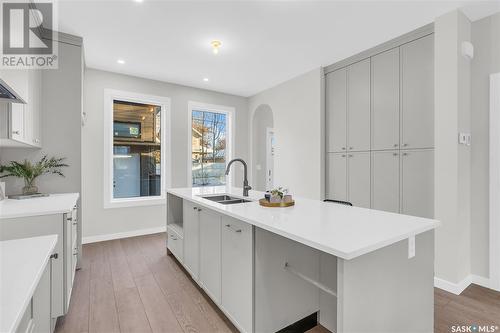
column 29, row 171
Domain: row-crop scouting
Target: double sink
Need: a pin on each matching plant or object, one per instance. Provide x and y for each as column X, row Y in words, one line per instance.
column 224, row 199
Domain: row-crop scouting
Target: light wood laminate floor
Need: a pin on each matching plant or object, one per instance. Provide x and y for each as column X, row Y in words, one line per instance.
column 131, row 285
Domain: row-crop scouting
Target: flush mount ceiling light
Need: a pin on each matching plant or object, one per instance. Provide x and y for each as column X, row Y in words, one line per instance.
column 215, row 46
column 138, row 0
column 121, row 61
column 205, row 79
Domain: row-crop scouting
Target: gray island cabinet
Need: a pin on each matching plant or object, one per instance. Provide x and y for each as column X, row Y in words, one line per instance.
column 361, row 270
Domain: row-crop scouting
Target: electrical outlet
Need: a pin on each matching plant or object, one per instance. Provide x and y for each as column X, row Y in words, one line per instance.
column 411, row 247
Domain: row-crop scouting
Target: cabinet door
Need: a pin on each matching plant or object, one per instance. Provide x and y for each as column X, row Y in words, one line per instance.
column 17, row 121
column 41, row 303
column 385, row 180
column 336, row 177
column 417, row 95
column 385, row 100
column 336, row 110
column 34, row 106
column 191, row 238
column 358, row 106
column 237, row 271
column 210, row 271
column 359, row 179
column 418, row 183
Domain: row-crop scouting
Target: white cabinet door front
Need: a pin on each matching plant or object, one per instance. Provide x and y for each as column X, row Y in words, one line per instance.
column 336, row 110
column 336, row 176
column 359, row 179
column 385, row 100
column 385, row 180
column 417, row 95
column 237, row 271
column 191, row 238
column 418, row 183
column 358, row 106
column 210, row 254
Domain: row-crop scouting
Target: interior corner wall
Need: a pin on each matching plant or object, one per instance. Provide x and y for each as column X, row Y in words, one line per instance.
column 486, row 41
column 452, row 161
column 297, row 111
column 99, row 222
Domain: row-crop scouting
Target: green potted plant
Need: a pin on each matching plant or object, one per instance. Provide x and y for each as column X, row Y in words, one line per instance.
column 29, row 171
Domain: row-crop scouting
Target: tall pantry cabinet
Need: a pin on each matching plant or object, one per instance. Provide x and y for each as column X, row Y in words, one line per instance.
column 380, row 129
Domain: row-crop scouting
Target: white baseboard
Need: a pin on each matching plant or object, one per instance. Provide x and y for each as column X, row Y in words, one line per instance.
column 457, row 288
column 133, row 233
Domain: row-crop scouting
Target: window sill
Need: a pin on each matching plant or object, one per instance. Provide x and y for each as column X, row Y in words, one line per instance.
column 135, row 202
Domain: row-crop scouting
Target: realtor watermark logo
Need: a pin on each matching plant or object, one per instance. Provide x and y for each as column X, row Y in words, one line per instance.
column 474, row 328
column 23, row 45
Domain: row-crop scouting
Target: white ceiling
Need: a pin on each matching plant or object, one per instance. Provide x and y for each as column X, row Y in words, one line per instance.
column 263, row 43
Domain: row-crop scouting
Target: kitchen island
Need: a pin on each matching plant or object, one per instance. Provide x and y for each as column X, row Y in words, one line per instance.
column 362, row 270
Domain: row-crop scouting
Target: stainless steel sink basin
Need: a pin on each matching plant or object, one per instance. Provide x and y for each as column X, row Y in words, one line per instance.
column 225, row 199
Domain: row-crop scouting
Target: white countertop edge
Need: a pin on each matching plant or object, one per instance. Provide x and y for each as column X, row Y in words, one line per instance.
column 27, row 298
column 343, row 255
column 59, row 210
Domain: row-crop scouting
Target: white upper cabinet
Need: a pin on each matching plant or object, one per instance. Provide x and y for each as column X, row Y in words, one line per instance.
column 417, row 93
column 385, row 100
column 336, row 106
column 21, row 123
column 358, row 106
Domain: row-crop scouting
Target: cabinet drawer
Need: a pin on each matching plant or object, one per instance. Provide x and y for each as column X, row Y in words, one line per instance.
column 175, row 243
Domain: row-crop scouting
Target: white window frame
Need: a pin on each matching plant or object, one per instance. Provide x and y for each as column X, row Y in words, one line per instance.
column 229, row 111
column 110, row 95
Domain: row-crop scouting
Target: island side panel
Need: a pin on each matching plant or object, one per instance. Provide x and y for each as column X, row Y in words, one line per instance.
column 384, row 291
column 281, row 298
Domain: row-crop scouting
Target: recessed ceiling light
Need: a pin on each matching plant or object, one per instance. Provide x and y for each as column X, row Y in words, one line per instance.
column 205, row 79
column 216, row 44
column 138, row 0
column 121, row 61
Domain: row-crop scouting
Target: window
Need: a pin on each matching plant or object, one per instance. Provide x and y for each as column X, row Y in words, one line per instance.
column 210, row 140
column 135, row 149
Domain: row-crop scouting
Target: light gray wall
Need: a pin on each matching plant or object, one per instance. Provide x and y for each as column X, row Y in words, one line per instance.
column 262, row 119
column 486, row 40
column 452, row 161
column 61, row 125
column 298, row 125
column 99, row 221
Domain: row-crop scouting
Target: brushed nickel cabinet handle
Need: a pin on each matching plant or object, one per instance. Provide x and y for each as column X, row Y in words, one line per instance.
column 16, row 132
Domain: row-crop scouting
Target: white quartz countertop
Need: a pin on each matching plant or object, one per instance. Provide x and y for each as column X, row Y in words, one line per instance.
column 22, row 263
column 343, row 231
column 53, row 204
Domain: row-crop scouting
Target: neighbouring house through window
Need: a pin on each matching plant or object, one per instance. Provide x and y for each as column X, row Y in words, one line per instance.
column 209, row 147
column 136, row 149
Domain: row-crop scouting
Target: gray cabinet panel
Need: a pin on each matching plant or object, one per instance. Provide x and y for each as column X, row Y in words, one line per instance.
column 336, row 176
column 336, row 110
column 359, row 179
column 358, row 106
column 385, row 100
column 41, row 302
column 385, row 180
column 191, row 228
column 210, row 255
column 417, row 93
column 417, row 188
